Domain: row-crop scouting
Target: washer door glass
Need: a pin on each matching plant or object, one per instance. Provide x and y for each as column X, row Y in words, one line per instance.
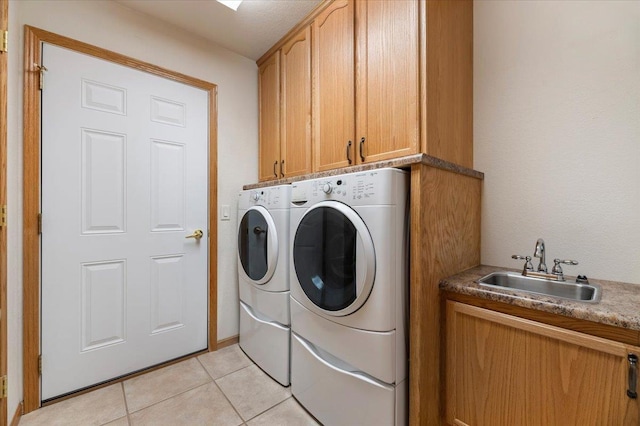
column 334, row 258
column 257, row 245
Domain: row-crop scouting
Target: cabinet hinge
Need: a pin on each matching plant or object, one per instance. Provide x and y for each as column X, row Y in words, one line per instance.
column 4, row 46
column 3, row 216
column 5, row 387
column 40, row 365
column 39, row 223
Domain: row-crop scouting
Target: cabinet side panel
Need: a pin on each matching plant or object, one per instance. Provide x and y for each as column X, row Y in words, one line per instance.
column 296, row 105
column 445, row 239
column 449, row 73
column 334, row 87
column 269, row 94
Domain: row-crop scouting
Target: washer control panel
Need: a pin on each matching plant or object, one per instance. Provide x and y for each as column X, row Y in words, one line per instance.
column 363, row 188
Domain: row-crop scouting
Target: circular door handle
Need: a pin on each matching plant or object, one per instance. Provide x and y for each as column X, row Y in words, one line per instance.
column 197, row 234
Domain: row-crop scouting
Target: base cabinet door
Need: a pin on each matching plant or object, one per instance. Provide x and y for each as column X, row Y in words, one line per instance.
column 505, row 370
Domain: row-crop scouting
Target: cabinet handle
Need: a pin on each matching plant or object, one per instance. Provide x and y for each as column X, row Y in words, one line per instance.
column 349, row 152
column 275, row 173
column 281, row 167
column 632, row 392
column 361, row 147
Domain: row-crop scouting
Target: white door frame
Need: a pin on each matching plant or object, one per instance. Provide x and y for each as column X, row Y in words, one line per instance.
column 33, row 40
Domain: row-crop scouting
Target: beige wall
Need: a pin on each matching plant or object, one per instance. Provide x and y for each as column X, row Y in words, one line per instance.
column 557, row 132
column 114, row 27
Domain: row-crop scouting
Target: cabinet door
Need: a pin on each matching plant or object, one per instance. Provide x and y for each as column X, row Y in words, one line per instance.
column 296, row 105
column 505, row 370
column 333, row 87
column 387, row 83
column 269, row 94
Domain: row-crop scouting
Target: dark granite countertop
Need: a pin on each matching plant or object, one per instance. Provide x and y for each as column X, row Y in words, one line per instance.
column 402, row 162
column 619, row 305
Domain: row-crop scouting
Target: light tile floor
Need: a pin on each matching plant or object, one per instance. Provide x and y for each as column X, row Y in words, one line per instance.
column 217, row 388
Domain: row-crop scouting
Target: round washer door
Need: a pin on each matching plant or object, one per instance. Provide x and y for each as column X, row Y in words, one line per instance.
column 334, row 258
column 257, row 245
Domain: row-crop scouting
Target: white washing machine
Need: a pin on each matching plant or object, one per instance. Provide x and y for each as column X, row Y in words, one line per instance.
column 263, row 279
column 349, row 288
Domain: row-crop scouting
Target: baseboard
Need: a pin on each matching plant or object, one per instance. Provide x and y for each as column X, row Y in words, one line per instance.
column 228, row 342
column 17, row 415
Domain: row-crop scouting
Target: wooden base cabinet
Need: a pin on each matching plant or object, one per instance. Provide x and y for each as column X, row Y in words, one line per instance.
column 505, row 370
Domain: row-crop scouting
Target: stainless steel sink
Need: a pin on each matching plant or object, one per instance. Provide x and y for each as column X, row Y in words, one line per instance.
column 589, row 293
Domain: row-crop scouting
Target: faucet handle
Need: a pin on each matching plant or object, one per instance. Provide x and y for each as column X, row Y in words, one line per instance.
column 557, row 269
column 528, row 266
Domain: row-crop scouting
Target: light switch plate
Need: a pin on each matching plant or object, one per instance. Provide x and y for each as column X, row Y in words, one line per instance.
column 224, row 212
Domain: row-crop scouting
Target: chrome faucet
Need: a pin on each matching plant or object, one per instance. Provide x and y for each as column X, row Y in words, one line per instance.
column 540, row 253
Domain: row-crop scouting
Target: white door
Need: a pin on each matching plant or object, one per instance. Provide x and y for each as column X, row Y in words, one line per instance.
column 124, row 181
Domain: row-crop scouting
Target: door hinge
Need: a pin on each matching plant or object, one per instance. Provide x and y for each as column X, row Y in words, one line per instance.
column 39, row 223
column 41, row 69
column 4, row 46
column 3, row 216
column 5, row 387
column 39, row 365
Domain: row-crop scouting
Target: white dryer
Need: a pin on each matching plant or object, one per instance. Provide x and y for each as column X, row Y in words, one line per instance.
column 349, row 286
column 263, row 278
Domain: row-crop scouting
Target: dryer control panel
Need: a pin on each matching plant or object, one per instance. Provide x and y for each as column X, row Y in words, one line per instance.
column 274, row 197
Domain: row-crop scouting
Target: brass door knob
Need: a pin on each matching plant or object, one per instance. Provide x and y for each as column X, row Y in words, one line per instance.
column 197, row 234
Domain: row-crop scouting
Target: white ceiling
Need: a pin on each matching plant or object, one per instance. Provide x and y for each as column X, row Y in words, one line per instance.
column 251, row 31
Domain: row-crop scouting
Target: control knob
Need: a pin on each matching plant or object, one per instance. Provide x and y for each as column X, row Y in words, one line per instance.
column 256, row 196
column 327, row 188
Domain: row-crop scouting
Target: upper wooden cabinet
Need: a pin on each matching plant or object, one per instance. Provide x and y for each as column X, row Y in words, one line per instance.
column 505, row 370
column 387, row 83
column 284, row 82
column 296, row 105
column 269, row 104
column 390, row 78
column 334, row 87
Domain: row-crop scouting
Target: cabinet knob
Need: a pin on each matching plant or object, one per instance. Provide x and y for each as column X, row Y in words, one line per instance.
column 281, row 168
column 362, row 148
column 275, row 173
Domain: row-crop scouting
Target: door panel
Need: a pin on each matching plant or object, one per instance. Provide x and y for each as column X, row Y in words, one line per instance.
column 334, row 87
column 387, row 85
column 103, row 179
column 296, row 105
column 124, row 181
column 269, row 103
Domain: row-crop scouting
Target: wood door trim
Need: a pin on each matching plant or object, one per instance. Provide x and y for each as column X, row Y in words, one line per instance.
column 4, row 25
column 33, row 38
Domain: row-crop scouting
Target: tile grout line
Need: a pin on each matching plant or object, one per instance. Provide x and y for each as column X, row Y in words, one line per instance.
column 126, row 405
column 274, row 406
column 172, row 396
column 222, row 392
column 262, row 412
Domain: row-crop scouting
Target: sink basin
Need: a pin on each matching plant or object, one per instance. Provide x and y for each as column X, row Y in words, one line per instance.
column 589, row 293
